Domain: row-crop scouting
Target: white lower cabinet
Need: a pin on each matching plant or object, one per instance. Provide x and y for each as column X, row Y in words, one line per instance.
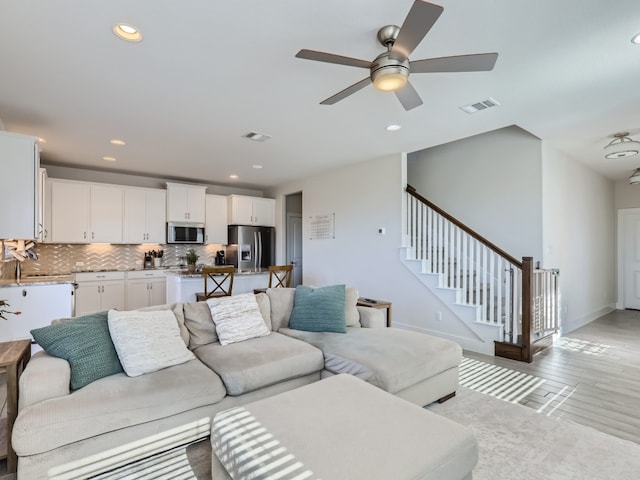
column 145, row 288
column 97, row 291
column 38, row 304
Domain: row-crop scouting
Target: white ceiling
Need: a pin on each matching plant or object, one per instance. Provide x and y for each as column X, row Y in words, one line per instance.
column 209, row 71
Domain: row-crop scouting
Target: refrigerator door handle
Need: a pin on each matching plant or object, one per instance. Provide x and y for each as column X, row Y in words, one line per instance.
column 259, row 250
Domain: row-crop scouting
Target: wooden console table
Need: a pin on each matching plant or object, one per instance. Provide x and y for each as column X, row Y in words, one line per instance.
column 14, row 356
column 370, row 302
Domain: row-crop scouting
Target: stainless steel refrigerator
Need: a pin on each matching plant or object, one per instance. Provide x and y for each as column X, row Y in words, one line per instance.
column 251, row 248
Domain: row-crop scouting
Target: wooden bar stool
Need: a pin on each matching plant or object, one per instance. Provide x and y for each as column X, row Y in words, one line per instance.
column 218, row 282
column 279, row 277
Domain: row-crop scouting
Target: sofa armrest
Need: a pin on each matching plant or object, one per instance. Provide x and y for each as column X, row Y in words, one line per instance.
column 45, row 377
column 371, row 317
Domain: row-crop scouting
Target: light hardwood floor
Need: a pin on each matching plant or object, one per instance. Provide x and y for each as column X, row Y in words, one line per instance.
column 590, row 376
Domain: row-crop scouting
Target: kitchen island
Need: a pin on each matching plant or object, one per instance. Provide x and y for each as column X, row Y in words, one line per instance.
column 183, row 286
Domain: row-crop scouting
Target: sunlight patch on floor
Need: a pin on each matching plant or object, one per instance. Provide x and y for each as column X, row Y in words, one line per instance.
column 499, row 382
column 581, row 346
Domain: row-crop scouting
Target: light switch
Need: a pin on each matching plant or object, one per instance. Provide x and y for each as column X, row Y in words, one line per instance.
column 382, row 231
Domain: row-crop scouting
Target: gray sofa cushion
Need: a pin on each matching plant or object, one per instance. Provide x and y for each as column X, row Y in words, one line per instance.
column 260, row 362
column 388, row 358
column 112, row 403
column 197, row 319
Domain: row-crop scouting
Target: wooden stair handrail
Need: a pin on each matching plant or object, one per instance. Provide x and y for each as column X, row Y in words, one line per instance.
column 412, row 191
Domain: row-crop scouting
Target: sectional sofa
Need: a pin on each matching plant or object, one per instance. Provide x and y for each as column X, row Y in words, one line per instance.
column 120, row 419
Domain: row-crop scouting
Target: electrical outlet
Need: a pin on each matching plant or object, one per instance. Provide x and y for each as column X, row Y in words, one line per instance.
column 79, row 264
column 438, row 316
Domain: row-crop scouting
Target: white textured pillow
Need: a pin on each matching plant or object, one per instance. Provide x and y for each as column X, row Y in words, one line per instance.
column 147, row 341
column 237, row 318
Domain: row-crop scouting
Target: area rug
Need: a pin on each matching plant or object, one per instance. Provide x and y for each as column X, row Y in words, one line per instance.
column 517, row 442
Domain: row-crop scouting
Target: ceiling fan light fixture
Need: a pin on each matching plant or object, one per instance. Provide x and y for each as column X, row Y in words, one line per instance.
column 390, row 82
column 634, row 179
column 622, row 146
column 389, row 75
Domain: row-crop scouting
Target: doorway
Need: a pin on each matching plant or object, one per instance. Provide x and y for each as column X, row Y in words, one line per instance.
column 293, row 239
column 629, row 258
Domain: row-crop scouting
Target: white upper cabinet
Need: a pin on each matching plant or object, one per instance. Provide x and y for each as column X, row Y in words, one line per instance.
column 85, row 213
column 144, row 215
column 215, row 228
column 185, row 203
column 106, row 213
column 19, row 190
column 245, row 210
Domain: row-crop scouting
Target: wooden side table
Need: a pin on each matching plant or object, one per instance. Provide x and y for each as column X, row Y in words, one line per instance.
column 370, row 302
column 14, row 356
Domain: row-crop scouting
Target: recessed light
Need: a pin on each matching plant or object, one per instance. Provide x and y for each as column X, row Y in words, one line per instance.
column 109, row 159
column 115, row 141
column 233, row 177
column 393, row 127
column 636, row 39
column 127, row 32
column 257, row 167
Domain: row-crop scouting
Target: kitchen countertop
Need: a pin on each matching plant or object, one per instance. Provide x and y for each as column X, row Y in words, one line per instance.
column 53, row 279
column 43, row 280
column 186, row 274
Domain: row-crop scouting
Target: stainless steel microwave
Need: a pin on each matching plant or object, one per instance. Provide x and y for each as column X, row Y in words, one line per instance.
column 185, row 232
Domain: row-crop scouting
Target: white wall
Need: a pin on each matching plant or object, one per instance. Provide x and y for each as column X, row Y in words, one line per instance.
column 365, row 197
column 491, row 182
column 579, row 236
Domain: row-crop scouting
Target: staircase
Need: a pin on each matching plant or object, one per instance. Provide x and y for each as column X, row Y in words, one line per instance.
column 504, row 301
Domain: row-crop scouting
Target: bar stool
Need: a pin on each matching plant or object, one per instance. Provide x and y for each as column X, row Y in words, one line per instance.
column 218, row 282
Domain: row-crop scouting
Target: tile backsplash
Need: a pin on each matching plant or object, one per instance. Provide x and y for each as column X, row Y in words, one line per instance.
column 63, row 258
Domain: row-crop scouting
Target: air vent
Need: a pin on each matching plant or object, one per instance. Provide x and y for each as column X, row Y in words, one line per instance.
column 483, row 105
column 257, row 137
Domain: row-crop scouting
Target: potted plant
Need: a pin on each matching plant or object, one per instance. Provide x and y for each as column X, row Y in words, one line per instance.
column 192, row 258
column 4, row 311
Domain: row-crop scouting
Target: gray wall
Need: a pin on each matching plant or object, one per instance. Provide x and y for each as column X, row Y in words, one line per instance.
column 491, row 182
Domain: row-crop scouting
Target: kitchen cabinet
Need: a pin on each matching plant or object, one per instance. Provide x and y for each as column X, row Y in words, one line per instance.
column 97, row 291
column 19, row 190
column 39, row 304
column 245, row 210
column 145, row 288
column 144, row 215
column 215, row 226
column 84, row 212
column 185, row 203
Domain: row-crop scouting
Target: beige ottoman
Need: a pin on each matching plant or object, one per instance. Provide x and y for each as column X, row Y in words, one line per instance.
column 337, row 429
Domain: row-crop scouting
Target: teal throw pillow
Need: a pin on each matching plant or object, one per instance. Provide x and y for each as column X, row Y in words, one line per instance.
column 319, row 309
column 85, row 343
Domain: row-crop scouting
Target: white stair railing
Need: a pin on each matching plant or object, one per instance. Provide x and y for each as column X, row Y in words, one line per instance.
column 482, row 274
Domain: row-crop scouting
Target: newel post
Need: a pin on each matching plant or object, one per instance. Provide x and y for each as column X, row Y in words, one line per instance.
column 527, row 283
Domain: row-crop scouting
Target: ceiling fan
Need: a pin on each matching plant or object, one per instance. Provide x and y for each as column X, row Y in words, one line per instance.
column 390, row 70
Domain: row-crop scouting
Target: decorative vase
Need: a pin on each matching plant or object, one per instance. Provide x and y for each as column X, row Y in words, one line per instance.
column 191, row 268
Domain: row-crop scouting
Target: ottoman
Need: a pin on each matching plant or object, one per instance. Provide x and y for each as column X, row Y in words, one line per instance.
column 336, row 429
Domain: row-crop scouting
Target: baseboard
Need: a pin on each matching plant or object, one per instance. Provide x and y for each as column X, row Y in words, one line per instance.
column 570, row 326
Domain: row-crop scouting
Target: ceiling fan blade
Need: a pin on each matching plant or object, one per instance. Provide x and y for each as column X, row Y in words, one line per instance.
column 347, row 91
column 480, row 62
column 332, row 58
column 419, row 21
column 408, row 97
